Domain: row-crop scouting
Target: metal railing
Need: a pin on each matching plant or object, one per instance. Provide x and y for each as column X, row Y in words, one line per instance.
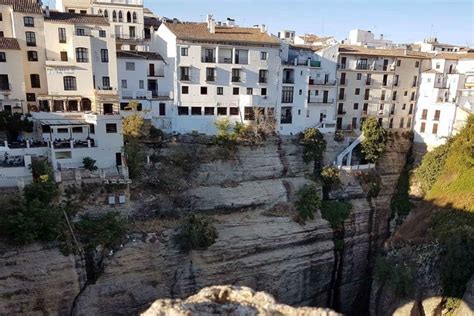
column 321, row 100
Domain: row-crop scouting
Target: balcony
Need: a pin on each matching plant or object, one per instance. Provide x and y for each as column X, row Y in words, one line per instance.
column 157, row 73
column 262, row 80
column 208, row 59
column 136, row 95
column 343, row 82
column 341, row 97
column 441, row 84
column 363, row 67
column 235, row 79
column 184, row 78
column 5, row 87
column 210, row 78
column 341, row 112
column 288, row 80
column 320, row 100
column 322, row 82
column 341, row 66
column 106, row 91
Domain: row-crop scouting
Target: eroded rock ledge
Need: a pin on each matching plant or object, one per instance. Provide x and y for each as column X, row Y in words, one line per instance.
column 230, row 300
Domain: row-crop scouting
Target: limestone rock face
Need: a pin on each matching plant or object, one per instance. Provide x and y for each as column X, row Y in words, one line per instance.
column 230, row 300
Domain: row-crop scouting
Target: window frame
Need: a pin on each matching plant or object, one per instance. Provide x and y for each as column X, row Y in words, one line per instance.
column 82, row 55
column 70, row 83
column 30, row 38
column 31, row 22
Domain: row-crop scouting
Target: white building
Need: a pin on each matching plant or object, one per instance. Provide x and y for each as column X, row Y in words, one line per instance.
column 81, row 64
column 432, row 45
column 367, row 38
column 445, row 100
column 23, row 21
column 287, row 36
column 12, row 87
column 314, row 40
column 218, row 70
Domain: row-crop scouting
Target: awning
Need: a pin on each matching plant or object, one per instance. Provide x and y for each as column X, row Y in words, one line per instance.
column 63, row 122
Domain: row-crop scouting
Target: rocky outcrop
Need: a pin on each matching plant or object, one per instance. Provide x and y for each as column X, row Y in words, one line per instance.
column 230, row 300
column 38, row 280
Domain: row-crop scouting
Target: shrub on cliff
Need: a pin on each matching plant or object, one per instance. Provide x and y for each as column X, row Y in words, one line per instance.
column 375, row 139
column 197, row 233
column 107, row 231
column 431, row 167
column 330, row 177
column 314, row 146
column 398, row 277
column 308, row 202
column 135, row 158
column 335, row 212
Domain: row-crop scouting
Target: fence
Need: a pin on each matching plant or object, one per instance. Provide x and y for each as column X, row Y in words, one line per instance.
column 358, row 167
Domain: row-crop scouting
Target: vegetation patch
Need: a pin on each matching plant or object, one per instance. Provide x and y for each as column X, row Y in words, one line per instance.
column 400, row 203
column 398, row 277
column 89, row 164
column 431, row 167
column 197, row 233
column 330, row 177
column 135, row 158
column 308, row 202
column 107, row 231
column 370, row 182
column 375, row 140
column 335, row 212
column 314, row 146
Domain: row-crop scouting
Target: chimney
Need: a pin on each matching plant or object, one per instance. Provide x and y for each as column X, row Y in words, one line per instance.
column 211, row 26
column 263, row 29
column 230, row 22
column 175, row 21
column 381, row 36
column 46, row 11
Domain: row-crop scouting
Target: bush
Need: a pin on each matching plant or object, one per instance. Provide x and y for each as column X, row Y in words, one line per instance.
column 314, row 147
column 197, row 232
column 45, row 192
column 107, row 231
column 132, row 126
column 89, row 163
column 375, row 139
column 308, row 202
column 156, row 133
column 135, row 158
column 41, row 170
column 335, row 212
column 431, row 167
column 339, row 136
column 224, row 131
column 330, row 177
column 397, row 277
column 371, row 182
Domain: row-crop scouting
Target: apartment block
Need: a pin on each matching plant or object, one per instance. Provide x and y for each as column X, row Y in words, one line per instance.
column 219, row 70
column 22, row 22
column 379, row 83
column 80, row 63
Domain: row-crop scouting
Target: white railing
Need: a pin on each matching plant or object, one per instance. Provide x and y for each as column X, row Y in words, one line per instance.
column 358, row 167
column 348, row 151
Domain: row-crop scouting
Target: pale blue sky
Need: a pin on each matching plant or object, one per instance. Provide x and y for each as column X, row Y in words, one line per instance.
column 452, row 21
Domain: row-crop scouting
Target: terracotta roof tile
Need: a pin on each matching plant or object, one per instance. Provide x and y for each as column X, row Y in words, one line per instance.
column 308, row 47
column 139, row 55
column 76, row 18
column 454, row 56
column 199, row 32
column 25, row 6
column 9, row 43
column 390, row 52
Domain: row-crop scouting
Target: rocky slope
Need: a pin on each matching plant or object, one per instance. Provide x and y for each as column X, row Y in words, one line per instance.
column 297, row 264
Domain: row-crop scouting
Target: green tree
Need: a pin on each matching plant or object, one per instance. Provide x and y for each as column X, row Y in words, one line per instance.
column 330, row 177
column 41, row 170
column 308, row 202
column 197, row 232
column 135, row 158
column 132, row 125
column 375, row 140
column 314, row 147
column 89, row 163
column 335, row 212
column 107, row 230
column 14, row 123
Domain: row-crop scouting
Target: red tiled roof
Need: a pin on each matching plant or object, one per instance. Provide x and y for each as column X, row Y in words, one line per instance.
column 25, row 6
column 76, row 18
column 9, row 43
column 388, row 52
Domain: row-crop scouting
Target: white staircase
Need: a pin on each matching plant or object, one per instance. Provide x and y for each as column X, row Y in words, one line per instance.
column 348, row 152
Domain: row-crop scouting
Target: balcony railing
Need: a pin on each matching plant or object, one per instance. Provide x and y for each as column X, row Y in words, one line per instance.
column 321, row 100
column 156, row 73
column 343, row 82
column 341, row 66
column 288, row 80
column 208, row 59
column 184, row 78
column 262, row 80
column 363, row 67
column 235, row 79
column 5, row 86
column 341, row 112
column 211, row 78
column 322, row 82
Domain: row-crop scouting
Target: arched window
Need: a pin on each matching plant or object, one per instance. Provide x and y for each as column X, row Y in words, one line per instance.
column 86, row 105
column 114, row 16
column 120, row 16
column 106, row 13
column 82, row 55
column 129, row 17
column 70, row 83
column 134, row 17
column 100, row 11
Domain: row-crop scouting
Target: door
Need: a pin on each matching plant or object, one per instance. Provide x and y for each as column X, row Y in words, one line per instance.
column 108, row 108
column 339, row 123
column 325, row 96
column 153, row 87
column 118, row 159
column 151, row 70
column 354, row 123
column 385, row 64
column 326, row 78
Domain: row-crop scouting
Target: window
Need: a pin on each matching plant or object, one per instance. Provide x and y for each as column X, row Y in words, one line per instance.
column 71, row 11
column 220, row 90
column 4, row 84
column 264, row 91
column 286, row 115
column 405, row 93
column 35, row 81
column 249, row 91
column 114, row 16
column 411, row 109
column 120, row 16
column 106, row 82
column 210, row 74
column 417, row 64
column 357, row 91
column 262, row 76
column 287, row 95
column 63, row 56
column 402, row 121
column 104, row 55
column 208, row 110
column 394, row 96
column 438, row 65
column 359, row 76
column 102, row 33
column 263, row 55
column 382, row 97
column 29, row 21
column 134, row 17
column 62, row 34
column 356, row 106
column 129, row 17
column 1, row 33
column 424, row 114
column 130, row 66
column 249, row 113
column 235, row 75
column 412, row 98
column 234, row 111
column 32, row 55
column 184, row 51
column 141, row 84
column 82, row 55
column 409, row 122
column 77, row 129
column 111, row 128
column 184, row 73
column 399, row 62
column 203, row 90
column 235, row 91
column 196, row 110
column 434, row 131
column 162, row 109
column 70, row 83
column 184, row 89
column 124, row 84
column 30, row 39
column 83, row 12
column 80, row 32
column 183, row 110
column 1, row 17
column 437, row 115
column 3, row 57
column 30, row 97
column 221, row 111
column 63, row 130
column 404, row 106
